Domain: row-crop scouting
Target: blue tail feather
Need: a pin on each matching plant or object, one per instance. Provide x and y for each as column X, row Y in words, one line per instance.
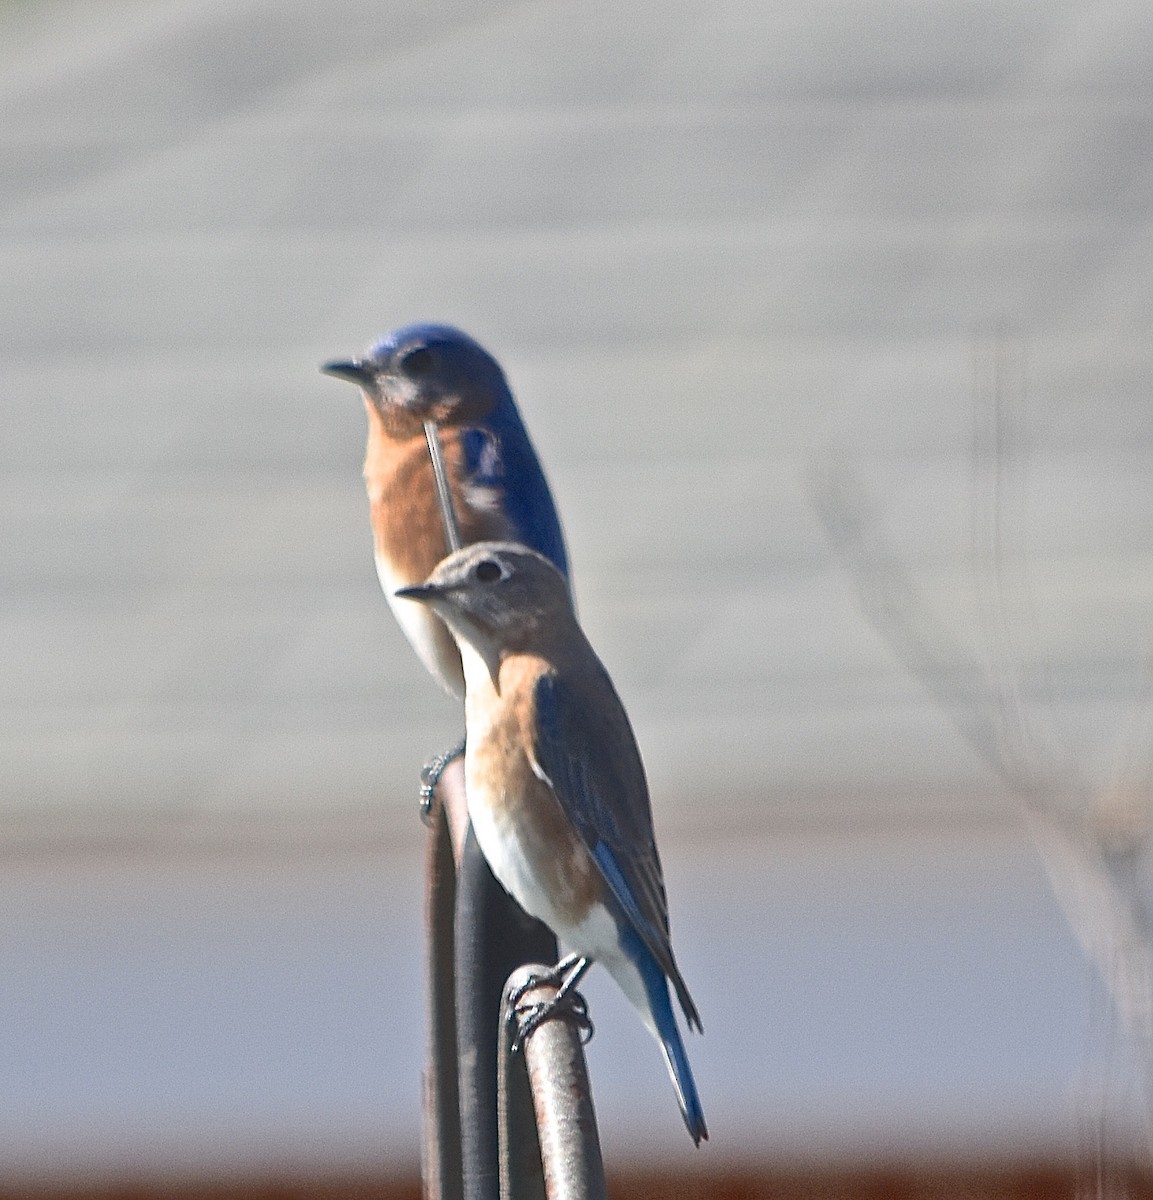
column 682, row 1077
column 677, row 1061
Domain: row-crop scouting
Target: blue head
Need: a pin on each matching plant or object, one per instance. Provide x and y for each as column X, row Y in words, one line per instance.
column 428, row 372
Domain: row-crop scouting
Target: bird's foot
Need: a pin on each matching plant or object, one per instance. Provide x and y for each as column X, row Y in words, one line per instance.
column 530, row 1017
column 567, row 1004
column 430, row 775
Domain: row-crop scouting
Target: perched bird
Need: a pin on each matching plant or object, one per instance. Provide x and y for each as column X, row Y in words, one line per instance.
column 556, row 790
column 423, row 374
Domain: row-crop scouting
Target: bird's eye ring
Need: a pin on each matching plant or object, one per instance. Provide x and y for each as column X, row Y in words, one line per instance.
column 488, row 571
column 418, row 363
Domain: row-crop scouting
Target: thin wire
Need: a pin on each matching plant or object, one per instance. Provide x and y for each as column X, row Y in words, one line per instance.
column 443, row 492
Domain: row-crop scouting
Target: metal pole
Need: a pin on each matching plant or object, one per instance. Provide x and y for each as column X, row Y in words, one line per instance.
column 553, row 1056
column 494, row 936
column 440, row 1148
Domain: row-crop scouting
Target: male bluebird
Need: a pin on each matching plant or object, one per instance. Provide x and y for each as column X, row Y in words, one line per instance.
column 556, row 790
column 423, row 373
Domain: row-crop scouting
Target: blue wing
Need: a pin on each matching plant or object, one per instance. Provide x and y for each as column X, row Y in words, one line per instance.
column 585, row 745
column 499, row 455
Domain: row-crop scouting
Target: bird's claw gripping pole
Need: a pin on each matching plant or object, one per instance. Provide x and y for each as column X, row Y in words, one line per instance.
column 550, row 1040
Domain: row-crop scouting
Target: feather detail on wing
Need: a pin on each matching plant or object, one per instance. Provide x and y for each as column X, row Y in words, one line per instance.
column 585, row 750
column 501, row 473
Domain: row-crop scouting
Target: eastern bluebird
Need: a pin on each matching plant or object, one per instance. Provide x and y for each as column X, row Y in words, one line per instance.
column 556, row 790
column 434, row 373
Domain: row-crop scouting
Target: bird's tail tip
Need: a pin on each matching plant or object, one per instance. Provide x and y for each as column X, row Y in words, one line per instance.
column 686, row 1088
column 698, row 1130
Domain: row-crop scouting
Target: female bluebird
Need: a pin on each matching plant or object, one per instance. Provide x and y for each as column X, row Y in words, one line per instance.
column 423, row 373
column 556, row 790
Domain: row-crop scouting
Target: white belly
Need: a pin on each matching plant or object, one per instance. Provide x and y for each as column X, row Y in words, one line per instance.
column 505, row 848
column 595, row 937
column 422, row 627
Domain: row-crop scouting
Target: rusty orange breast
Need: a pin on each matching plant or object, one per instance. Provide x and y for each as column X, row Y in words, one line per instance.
column 407, row 524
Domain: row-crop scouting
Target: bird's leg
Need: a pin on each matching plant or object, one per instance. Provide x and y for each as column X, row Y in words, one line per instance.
column 564, row 976
column 430, row 775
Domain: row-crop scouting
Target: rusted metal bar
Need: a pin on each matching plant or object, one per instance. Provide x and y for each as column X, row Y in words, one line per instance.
column 521, row 1162
column 494, row 936
column 554, row 1065
column 440, row 1149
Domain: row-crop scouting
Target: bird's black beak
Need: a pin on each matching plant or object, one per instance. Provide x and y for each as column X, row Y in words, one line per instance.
column 352, row 370
column 423, row 592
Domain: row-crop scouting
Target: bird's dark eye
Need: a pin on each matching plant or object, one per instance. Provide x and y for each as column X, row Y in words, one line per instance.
column 418, row 363
column 488, row 571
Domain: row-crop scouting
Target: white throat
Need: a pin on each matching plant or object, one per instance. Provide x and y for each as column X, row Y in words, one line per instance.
column 481, row 665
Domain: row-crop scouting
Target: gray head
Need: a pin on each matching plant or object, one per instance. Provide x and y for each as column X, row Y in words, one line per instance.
column 426, row 372
column 497, row 596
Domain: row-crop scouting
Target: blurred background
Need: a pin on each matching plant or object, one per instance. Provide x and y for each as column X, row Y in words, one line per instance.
column 832, row 325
